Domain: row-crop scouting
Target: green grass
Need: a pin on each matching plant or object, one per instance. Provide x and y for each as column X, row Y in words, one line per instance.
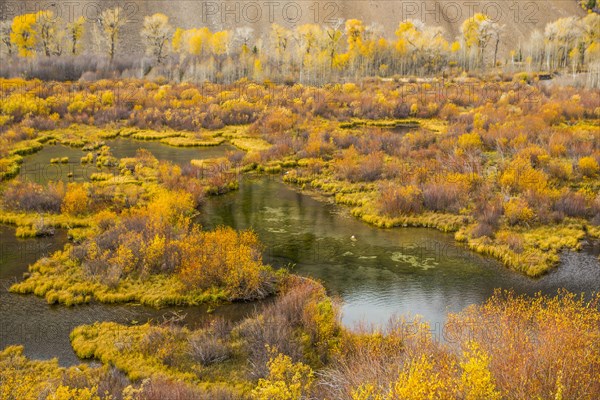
column 186, row 141
column 541, row 246
column 10, row 167
column 250, row 144
column 21, row 219
column 61, row 160
column 155, row 135
column 144, row 357
column 101, row 176
column 233, row 132
column 27, row 147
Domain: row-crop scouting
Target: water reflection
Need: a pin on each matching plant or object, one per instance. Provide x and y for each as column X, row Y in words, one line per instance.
column 37, row 167
column 380, row 272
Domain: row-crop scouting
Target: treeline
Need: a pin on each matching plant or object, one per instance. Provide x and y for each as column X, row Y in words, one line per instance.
column 309, row 53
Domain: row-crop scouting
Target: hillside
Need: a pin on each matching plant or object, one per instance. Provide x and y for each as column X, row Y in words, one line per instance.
column 519, row 17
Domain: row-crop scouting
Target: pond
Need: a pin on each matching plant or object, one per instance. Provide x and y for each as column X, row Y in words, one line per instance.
column 376, row 273
column 123, row 147
column 37, row 167
column 379, row 273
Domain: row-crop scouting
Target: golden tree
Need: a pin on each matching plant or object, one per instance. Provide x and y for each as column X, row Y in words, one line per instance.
column 74, row 34
column 157, row 33
column 24, row 35
column 50, row 32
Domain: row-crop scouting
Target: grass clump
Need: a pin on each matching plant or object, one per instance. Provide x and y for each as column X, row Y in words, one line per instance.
column 154, row 135
column 250, row 144
column 10, row 167
column 187, row 141
column 26, row 147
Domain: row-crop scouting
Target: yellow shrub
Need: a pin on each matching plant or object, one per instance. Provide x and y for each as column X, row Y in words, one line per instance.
column 470, row 141
column 521, row 176
column 108, row 98
column 476, row 380
column 286, row 380
column 517, row 211
column 67, row 393
column 76, row 200
column 417, row 382
column 588, row 166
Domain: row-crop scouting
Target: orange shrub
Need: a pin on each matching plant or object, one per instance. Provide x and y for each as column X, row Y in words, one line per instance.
column 76, row 200
column 224, row 258
column 399, row 200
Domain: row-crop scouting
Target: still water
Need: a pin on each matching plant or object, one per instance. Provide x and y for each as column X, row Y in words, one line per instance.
column 376, row 273
column 37, row 167
column 379, row 273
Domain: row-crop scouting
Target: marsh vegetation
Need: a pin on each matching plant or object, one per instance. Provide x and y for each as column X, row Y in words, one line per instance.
column 167, row 193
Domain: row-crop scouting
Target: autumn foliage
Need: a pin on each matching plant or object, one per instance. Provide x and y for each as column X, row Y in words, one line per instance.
column 511, row 347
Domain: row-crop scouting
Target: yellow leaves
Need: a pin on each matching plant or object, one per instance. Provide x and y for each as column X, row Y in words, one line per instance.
column 123, row 259
column 417, row 382
column 22, row 379
column 414, row 109
column 476, row 379
column 354, row 31
column 223, row 258
column 324, row 335
column 286, row 380
column 24, row 34
column 340, row 61
column 75, row 33
column 588, row 166
column 21, row 105
column 470, row 142
column 366, row 391
column 154, row 252
column 194, row 41
column 76, row 200
column 108, row 98
column 455, row 48
column 404, row 27
column 517, row 211
column 471, row 29
column 178, row 40
column 520, row 176
column 219, row 43
column 169, row 207
column 67, row 393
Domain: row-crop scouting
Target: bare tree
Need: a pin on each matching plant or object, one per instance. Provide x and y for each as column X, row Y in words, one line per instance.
column 157, row 33
column 111, row 22
column 5, row 31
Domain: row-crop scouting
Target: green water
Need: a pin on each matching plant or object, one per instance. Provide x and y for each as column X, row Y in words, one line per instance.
column 37, row 167
column 379, row 273
column 376, row 273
